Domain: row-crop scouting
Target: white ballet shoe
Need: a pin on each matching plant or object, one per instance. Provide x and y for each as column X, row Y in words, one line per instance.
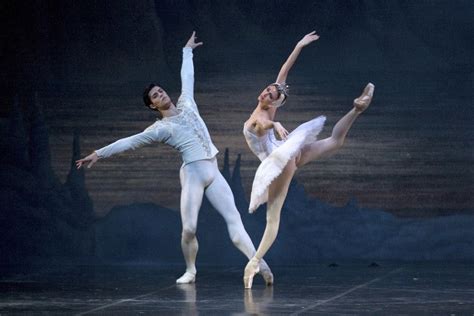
column 266, row 273
column 187, row 278
column 362, row 102
column 251, row 269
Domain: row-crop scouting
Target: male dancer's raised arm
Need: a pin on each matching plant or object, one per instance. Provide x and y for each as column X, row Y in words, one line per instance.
column 187, row 73
column 187, row 67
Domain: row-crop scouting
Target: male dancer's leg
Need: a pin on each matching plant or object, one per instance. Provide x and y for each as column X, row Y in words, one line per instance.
column 192, row 188
column 220, row 196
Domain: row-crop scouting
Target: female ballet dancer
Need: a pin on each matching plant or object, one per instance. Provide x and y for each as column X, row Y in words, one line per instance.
column 281, row 158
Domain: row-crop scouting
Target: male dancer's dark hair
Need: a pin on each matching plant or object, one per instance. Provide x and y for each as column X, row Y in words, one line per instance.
column 146, row 97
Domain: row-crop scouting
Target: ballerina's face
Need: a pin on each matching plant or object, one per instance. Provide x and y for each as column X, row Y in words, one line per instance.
column 268, row 95
column 159, row 98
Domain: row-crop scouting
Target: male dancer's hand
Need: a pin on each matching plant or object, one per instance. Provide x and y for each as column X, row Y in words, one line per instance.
column 308, row 39
column 192, row 41
column 91, row 159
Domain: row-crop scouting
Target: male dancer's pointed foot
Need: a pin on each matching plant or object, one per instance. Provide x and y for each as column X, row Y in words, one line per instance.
column 251, row 269
column 186, row 278
column 266, row 273
column 363, row 102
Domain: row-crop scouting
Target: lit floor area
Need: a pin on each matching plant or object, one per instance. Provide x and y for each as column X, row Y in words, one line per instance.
column 344, row 288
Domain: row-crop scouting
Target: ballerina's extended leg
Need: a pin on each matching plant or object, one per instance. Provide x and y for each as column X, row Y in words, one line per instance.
column 328, row 146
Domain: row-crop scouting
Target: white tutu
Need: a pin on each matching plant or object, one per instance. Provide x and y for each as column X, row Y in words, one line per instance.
column 273, row 164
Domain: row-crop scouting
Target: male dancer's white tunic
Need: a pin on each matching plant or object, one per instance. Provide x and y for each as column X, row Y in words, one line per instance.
column 186, row 131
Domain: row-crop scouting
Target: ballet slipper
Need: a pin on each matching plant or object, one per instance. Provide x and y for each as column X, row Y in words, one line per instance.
column 362, row 102
column 186, row 278
column 266, row 273
column 251, row 269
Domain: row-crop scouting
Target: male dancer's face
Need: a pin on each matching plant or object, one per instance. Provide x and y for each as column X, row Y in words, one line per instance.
column 268, row 95
column 159, row 98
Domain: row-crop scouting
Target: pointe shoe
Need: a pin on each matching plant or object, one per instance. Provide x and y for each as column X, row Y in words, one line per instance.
column 266, row 273
column 362, row 102
column 187, row 278
column 251, row 269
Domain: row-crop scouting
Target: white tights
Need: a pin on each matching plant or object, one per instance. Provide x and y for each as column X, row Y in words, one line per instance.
column 197, row 178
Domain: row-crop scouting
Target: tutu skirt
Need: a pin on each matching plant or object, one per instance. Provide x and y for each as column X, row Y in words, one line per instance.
column 274, row 163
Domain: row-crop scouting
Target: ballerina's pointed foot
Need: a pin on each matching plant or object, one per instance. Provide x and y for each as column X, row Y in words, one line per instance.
column 251, row 269
column 266, row 273
column 363, row 102
column 187, row 278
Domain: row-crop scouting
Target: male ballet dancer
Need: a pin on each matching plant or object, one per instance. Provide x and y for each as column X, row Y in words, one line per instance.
column 182, row 128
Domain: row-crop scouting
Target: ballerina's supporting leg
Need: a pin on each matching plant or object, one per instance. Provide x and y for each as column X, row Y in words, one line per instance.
column 276, row 197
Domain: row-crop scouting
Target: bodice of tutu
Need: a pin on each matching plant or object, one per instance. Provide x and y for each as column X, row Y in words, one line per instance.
column 261, row 146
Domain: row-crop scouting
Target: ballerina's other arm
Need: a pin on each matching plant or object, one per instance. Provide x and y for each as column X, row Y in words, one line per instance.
column 265, row 124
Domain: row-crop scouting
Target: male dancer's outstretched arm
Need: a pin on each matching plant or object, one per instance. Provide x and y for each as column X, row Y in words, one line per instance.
column 150, row 135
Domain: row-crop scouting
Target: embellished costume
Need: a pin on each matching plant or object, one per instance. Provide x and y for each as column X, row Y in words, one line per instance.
column 185, row 132
column 275, row 154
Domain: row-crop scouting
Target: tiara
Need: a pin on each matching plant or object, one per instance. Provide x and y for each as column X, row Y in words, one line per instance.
column 282, row 88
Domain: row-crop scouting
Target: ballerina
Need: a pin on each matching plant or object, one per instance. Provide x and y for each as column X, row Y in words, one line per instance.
column 280, row 158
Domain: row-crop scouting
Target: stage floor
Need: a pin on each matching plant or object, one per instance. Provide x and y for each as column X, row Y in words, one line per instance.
column 349, row 289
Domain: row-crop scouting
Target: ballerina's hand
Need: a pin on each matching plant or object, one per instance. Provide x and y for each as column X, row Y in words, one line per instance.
column 192, row 41
column 281, row 131
column 308, row 38
column 91, row 159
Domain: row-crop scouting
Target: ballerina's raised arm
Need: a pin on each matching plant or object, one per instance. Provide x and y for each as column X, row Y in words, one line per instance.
column 285, row 69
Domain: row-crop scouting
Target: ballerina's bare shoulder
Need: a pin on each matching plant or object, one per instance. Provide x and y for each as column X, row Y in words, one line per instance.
column 259, row 122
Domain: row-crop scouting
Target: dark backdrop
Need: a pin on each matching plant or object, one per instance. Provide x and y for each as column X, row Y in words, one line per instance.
column 81, row 65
